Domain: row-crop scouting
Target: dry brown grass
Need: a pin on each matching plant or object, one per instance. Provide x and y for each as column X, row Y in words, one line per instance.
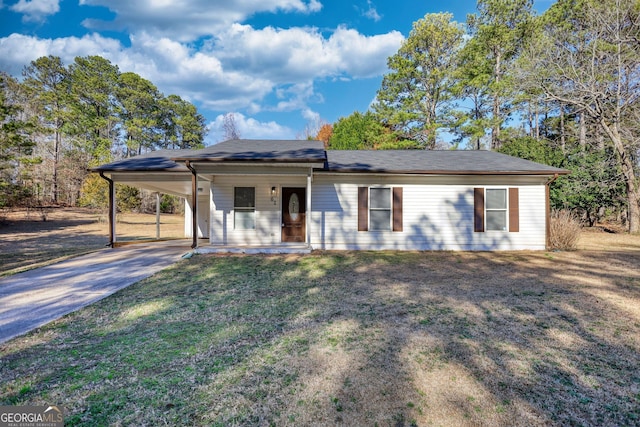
column 26, row 240
column 606, row 238
column 345, row 338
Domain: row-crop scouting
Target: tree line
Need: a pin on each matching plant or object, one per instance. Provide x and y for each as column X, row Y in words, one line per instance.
column 58, row 121
column 560, row 88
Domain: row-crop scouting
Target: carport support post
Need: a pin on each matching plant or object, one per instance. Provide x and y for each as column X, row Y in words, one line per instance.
column 112, row 210
column 308, row 209
column 157, row 215
column 194, row 205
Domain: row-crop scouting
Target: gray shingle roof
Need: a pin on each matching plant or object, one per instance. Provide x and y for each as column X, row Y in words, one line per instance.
column 466, row 162
column 259, row 150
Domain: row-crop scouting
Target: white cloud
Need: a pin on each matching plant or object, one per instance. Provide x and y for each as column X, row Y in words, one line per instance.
column 311, row 116
column 18, row 50
column 241, row 69
column 372, row 13
column 36, row 10
column 314, row 6
column 188, row 20
column 364, row 56
column 297, row 54
column 249, row 128
column 170, row 65
column 198, row 76
column 296, row 97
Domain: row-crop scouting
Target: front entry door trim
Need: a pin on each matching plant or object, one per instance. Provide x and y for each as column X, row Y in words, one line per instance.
column 294, row 207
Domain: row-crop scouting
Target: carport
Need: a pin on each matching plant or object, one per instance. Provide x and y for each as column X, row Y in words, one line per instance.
column 156, row 172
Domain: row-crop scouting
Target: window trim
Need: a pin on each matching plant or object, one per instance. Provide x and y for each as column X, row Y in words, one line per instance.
column 396, row 206
column 237, row 209
column 512, row 210
column 389, row 209
column 504, row 210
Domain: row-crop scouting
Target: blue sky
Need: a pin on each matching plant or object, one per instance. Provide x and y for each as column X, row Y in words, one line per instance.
column 278, row 65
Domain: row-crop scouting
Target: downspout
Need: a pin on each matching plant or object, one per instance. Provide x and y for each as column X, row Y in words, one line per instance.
column 194, row 205
column 158, row 216
column 548, row 209
column 112, row 210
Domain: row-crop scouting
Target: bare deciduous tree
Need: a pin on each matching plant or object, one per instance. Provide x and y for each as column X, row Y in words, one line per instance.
column 230, row 127
column 587, row 57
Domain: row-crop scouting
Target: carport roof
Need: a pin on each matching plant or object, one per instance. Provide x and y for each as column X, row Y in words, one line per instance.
column 153, row 161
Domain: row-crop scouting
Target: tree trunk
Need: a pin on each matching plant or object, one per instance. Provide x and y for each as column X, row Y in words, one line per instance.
column 630, row 180
column 583, row 131
column 56, row 159
column 495, row 132
column 537, row 135
column 562, row 137
column 634, row 210
column 54, row 195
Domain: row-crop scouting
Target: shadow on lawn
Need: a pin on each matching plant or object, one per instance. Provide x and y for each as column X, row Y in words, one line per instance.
column 559, row 335
column 31, row 241
column 345, row 338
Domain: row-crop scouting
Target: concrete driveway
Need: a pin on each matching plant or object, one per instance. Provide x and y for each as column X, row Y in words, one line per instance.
column 36, row 297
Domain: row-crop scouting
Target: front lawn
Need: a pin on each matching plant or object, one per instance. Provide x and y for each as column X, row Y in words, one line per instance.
column 374, row 338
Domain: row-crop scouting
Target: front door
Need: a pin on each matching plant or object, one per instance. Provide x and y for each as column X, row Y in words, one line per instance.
column 293, row 214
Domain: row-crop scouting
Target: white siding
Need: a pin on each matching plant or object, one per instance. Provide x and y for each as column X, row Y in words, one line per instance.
column 203, row 217
column 436, row 215
column 438, row 212
column 268, row 215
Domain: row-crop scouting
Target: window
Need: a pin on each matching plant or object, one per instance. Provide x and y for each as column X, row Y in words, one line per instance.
column 380, row 209
column 496, row 209
column 244, row 208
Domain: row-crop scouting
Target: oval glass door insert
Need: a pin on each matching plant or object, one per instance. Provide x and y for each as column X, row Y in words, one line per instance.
column 294, row 207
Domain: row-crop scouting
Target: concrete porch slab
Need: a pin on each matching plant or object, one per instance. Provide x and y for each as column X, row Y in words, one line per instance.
column 253, row 250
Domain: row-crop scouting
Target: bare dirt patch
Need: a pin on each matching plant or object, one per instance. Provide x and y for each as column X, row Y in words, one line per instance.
column 26, row 239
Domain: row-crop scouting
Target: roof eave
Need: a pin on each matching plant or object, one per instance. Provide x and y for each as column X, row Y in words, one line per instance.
column 244, row 160
column 445, row 172
column 147, row 170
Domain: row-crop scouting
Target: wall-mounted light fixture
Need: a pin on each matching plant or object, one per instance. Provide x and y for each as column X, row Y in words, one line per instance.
column 274, row 194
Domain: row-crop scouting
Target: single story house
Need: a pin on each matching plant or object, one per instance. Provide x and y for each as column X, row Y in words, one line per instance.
column 296, row 194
